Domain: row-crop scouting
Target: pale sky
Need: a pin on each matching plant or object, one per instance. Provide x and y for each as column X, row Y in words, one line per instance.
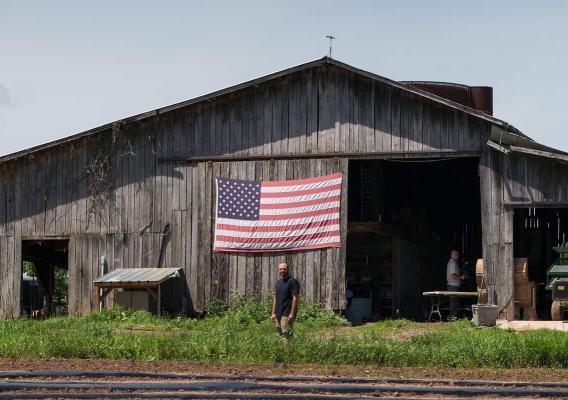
column 69, row 66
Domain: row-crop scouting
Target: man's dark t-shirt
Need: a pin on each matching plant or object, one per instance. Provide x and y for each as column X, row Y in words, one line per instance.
column 285, row 288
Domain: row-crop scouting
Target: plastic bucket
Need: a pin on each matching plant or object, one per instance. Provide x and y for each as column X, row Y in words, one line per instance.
column 485, row 314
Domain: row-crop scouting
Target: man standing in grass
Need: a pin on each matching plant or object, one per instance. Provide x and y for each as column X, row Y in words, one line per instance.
column 285, row 303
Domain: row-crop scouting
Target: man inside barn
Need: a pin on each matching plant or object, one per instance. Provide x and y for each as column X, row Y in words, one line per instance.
column 285, row 302
column 454, row 281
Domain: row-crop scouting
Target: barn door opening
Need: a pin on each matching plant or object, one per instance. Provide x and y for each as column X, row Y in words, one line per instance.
column 405, row 216
column 538, row 236
column 44, row 278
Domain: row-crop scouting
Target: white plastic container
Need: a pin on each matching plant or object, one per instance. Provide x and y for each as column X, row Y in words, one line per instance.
column 485, row 314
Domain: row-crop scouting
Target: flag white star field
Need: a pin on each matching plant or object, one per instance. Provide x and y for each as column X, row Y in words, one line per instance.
column 259, row 216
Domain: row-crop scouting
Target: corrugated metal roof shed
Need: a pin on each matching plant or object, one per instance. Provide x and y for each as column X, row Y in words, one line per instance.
column 136, row 277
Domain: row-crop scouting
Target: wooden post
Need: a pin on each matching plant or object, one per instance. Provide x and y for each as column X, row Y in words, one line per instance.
column 99, row 298
column 497, row 234
column 159, row 301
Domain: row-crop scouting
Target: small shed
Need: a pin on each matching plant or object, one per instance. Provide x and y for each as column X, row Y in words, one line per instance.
column 134, row 282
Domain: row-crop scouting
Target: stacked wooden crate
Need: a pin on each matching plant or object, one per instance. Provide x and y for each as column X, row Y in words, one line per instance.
column 524, row 290
column 522, row 286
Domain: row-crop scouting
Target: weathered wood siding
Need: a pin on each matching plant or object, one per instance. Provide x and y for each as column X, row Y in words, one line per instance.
column 113, row 192
column 508, row 181
column 534, row 181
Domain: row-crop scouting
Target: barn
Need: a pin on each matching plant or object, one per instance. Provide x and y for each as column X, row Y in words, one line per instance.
column 426, row 168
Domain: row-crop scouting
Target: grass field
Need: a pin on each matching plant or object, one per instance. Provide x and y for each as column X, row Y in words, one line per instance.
column 244, row 334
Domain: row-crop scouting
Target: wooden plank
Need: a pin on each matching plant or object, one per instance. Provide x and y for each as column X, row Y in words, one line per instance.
column 17, row 217
column 188, row 234
column 260, row 109
column 223, row 128
column 53, row 195
column 16, row 275
column 250, row 136
column 405, row 121
column 396, row 120
column 74, row 279
column 382, row 118
column 364, row 114
column 198, row 132
column 82, row 162
column 277, row 116
column 4, row 294
column 42, row 200
column 207, row 248
column 195, row 233
column 68, row 190
column 506, row 264
column 203, row 235
column 34, row 192
column 216, row 257
column 326, row 110
column 7, row 211
column 3, row 200
column 284, row 116
column 342, row 252
column 107, row 210
column 312, row 106
column 89, row 257
column 210, row 128
column 296, row 116
column 235, row 134
column 415, row 124
column 428, row 127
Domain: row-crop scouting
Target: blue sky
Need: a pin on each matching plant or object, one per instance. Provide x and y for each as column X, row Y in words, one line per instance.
column 68, row 66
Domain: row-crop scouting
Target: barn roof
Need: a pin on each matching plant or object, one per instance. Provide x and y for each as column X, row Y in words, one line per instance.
column 509, row 135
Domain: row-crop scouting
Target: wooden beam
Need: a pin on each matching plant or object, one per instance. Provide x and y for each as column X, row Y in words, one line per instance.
column 498, row 147
column 40, row 238
column 540, row 153
column 540, row 204
column 354, row 155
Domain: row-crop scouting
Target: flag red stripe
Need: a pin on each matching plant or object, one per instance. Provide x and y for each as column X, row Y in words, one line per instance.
column 277, row 206
column 313, row 236
column 282, row 228
column 298, row 215
column 256, row 250
column 304, row 192
column 301, row 181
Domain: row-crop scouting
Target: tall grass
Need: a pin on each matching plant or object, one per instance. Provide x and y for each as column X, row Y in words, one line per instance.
column 244, row 334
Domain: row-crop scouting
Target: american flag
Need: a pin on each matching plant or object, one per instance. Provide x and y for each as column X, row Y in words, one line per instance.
column 259, row 216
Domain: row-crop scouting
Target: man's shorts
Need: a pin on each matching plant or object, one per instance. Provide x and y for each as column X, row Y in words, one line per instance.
column 284, row 326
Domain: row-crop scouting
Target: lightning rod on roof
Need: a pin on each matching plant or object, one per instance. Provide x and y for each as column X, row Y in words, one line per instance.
column 331, row 38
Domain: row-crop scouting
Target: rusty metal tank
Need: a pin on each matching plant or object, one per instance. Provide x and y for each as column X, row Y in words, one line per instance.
column 479, row 98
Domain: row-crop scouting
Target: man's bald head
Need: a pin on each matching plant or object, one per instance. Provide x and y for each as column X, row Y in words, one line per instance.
column 283, row 269
column 454, row 254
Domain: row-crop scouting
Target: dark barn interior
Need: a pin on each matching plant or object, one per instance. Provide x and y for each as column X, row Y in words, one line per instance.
column 405, row 216
column 536, row 232
column 48, row 262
